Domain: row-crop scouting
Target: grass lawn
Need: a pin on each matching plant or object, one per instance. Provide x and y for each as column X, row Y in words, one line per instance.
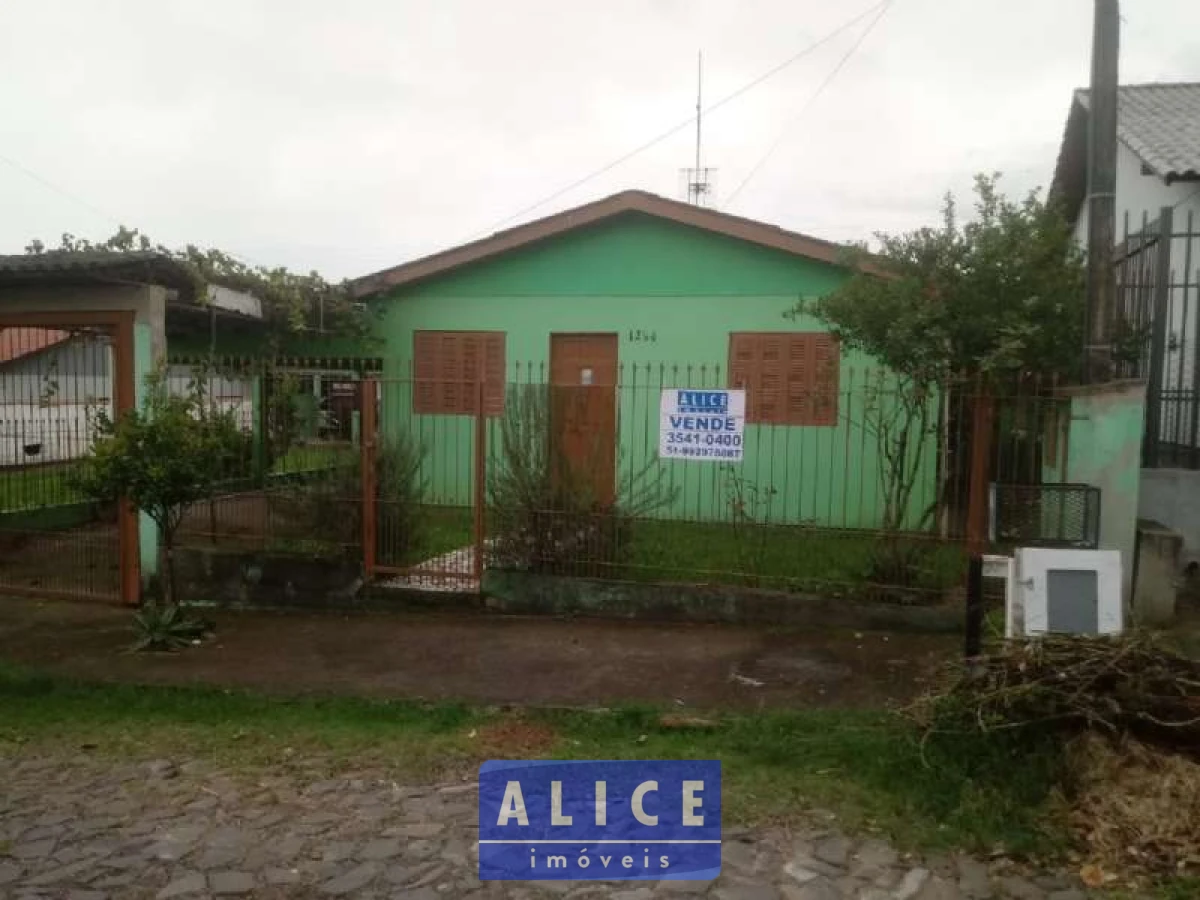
column 313, row 457
column 777, row 556
column 36, row 487
column 866, row 767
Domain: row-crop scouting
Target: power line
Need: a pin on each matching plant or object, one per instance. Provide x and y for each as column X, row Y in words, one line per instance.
column 45, row 182
column 809, row 102
column 675, row 129
column 104, row 214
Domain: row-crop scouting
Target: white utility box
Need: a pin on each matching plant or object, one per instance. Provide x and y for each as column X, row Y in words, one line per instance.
column 1059, row 591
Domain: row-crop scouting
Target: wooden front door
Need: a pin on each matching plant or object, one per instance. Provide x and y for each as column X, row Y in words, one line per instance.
column 583, row 389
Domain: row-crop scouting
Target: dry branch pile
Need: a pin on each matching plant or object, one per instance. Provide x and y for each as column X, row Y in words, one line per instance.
column 1135, row 809
column 1127, row 713
column 1132, row 685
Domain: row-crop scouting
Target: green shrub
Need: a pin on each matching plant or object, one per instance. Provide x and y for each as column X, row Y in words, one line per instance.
column 543, row 509
column 166, row 628
column 327, row 508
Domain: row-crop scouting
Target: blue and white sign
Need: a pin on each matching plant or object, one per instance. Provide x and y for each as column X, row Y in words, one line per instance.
column 702, row 424
column 642, row 820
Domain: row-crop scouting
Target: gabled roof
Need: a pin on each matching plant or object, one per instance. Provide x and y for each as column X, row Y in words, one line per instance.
column 1159, row 122
column 711, row 220
column 22, row 341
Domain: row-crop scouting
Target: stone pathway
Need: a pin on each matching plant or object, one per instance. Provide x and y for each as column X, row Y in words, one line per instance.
column 87, row 829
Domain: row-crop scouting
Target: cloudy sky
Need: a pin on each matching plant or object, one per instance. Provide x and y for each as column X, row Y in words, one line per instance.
column 352, row 135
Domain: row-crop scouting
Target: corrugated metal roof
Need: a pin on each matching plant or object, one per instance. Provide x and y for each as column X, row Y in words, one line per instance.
column 1161, row 124
column 145, row 266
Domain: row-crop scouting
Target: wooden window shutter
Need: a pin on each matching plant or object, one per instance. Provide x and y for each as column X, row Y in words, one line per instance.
column 826, row 379
column 789, row 378
column 743, row 369
column 495, row 370
column 425, row 347
column 772, row 379
column 799, row 379
column 471, row 372
column 447, row 369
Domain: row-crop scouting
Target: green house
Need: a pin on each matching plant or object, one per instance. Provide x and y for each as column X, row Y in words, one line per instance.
column 610, row 304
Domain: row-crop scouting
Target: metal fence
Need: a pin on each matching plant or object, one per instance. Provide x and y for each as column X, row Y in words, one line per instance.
column 1156, row 331
column 430, row 482
column 54, row 383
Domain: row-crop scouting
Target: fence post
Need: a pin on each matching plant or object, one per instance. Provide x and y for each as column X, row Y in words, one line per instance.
column 480, row 482
column 977, row 489
column 124, row 401
column 263, row 385
column 973, row 638
column 367, row 440
column 1158, row 339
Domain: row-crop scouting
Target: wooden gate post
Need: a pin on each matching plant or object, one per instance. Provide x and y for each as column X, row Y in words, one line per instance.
column 368, row 436
column 480, row 497
column 977, row 490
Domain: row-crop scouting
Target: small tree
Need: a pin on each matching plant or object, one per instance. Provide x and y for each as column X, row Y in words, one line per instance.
column 999, row 296
column 163, row 457
column 1002, row 294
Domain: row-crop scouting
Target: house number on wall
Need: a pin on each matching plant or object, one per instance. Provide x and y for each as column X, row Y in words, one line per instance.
column 637, row 336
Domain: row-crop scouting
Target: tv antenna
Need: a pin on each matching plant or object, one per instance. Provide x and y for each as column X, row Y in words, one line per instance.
column 698, row 180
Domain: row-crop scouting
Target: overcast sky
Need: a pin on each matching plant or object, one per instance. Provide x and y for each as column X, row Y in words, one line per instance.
column 352, row 135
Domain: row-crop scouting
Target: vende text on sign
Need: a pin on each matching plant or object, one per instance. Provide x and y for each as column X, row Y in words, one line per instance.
column 705, row 425
column 638, row 820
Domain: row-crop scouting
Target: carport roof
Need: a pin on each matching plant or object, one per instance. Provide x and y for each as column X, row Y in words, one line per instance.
column 69, row 267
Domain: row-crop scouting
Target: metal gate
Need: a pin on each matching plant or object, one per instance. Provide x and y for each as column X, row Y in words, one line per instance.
column 57, row 372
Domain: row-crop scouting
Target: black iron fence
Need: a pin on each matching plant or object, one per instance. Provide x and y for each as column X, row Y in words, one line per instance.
column 1156, row 331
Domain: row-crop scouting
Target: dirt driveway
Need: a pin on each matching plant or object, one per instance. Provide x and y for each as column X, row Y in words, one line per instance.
column 488, row 659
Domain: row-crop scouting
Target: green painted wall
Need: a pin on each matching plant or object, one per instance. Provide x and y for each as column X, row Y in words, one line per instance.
column 672, row 294
column 143, row 366
column 1105, row 451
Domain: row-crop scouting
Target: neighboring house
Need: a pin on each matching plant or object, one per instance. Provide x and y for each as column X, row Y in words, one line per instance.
column 619, row 299
column 52, row 383
column 1158, row 169
column 1158, row 176
column 1158, row 156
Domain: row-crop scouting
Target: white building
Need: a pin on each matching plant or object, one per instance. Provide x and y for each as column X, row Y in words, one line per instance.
column 1158, row 174
column 54, row 382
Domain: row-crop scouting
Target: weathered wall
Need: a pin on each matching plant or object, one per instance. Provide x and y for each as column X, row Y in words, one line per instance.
column 673, row 295
column 1172, row 498
column 1105, row 451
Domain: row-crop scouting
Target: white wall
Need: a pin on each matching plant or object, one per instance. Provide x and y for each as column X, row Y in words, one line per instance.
column 1140, row 200
column 49, row 400
column 1148, row 194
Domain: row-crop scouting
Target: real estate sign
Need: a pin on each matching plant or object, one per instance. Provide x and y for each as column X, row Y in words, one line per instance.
column 703, row 425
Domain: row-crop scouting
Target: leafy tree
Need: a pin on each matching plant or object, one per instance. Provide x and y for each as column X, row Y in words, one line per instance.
column 1000, row 296
column 163, row 457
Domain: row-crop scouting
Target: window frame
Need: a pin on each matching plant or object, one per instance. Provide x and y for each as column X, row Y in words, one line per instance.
column 436, row 394
column 807, row 401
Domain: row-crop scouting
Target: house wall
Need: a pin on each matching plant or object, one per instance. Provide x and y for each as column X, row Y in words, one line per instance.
column 672, row 294
column 1104, row 450
column 48, row 401
column 1139, row 195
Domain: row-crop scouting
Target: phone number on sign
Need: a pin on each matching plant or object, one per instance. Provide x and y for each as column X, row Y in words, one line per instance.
column 708, row 440
column 705, row 452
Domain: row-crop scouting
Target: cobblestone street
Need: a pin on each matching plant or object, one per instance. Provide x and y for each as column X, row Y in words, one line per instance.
column 89, row 829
